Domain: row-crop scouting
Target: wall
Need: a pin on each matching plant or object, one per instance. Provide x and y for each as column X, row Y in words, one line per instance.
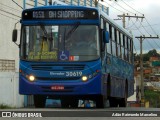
column 9, row 90
column 9, row 13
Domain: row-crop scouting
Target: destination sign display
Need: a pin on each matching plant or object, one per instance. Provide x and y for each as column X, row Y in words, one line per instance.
column 60, row 14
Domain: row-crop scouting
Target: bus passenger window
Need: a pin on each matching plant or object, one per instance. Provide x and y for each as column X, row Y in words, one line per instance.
column 102, row 23
column 110, row 32
column 125, row 54
column 122, row 51
column 109, row 48
column 113, row 34
column 113, row 48
column 119, row 34
column 124, row 41
column 127, row 43
column 107, row 27
column 117, row 37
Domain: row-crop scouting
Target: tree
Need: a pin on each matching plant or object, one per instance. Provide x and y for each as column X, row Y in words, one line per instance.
column 153, row 53
column 146, row 56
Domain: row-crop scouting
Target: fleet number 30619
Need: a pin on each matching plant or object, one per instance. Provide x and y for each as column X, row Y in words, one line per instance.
column 70, row 74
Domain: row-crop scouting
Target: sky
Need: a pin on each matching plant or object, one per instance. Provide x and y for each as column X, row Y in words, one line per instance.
column 148, row 26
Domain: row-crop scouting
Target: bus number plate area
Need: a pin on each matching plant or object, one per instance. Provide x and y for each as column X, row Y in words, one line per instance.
column 57, row 87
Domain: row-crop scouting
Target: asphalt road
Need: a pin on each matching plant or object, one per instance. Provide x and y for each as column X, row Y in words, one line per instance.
column 81, row 114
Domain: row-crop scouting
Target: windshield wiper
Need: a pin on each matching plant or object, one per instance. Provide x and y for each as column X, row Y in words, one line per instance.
column 44, row 31
column 72, row 30
column 44, row 38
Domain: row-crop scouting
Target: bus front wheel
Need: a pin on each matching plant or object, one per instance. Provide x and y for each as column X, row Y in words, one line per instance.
column 39, row 101
column 100, row 102
column 71, row 102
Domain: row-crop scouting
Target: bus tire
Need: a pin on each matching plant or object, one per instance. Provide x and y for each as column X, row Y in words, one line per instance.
column 39, row 101
column 66, row 103
column 113, row 102
column 100, row 102
column 123, row 101
column 74, row 103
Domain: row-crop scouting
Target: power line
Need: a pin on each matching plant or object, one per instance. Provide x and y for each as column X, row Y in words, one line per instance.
column 149, row 44
column 137, row 28
column 129, row 16
column 131, row 7
column 10, row 13
column 150, row 26
column 140, row 13
column 143, row 27
column 124, row 8
column 147, row 41
column 131, row 25
column 114, row 7
column 10, row 7
column 17, row 4
column 8, row 16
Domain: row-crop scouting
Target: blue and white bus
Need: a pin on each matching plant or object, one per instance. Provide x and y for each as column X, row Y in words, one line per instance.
column 74, row 53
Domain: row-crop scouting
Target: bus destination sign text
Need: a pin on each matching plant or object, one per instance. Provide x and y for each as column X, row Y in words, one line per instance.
column 60, row 14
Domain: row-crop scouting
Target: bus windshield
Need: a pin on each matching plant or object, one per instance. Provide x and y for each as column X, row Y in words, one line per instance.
column 60, row 43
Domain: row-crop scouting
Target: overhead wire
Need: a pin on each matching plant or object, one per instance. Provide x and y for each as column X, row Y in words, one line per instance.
column 124, row 8
column 134, row 23
column 139, row 31
column 10, row 7
column 131, row 25
column 143, row 27
column 8, row 16
column 114, row 7
column 147, row 26
column 150, row 26
column 131, row 7
column 10, row 13
column 137, row 28
column 142, row 14
column 150, row 35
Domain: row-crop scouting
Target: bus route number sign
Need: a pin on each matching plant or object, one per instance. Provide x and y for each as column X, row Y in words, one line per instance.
column 59, row 14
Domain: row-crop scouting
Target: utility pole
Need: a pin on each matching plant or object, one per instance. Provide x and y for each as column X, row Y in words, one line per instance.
column 129, row 16
column 141, row 38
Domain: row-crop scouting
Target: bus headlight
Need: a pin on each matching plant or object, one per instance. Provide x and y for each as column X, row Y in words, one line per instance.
column 84, row 78
column 31, row 78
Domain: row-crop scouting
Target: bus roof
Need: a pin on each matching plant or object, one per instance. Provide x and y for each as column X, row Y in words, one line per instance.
column 61, row 7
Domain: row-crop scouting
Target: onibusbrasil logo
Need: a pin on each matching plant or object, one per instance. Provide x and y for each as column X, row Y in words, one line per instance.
column 21, row 114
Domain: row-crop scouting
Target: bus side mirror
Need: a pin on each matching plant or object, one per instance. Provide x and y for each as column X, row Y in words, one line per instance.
column 14, row 35
column 105, row 36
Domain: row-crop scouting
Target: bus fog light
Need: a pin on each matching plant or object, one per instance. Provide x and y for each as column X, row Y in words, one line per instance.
column 31, row 78
column 84, row 78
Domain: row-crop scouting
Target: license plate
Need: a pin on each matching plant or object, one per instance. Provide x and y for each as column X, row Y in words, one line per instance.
column 57, row 87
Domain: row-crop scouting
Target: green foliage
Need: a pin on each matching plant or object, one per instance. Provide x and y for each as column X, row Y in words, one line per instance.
column 147, row 55
column 3, row 106
column 153, row 97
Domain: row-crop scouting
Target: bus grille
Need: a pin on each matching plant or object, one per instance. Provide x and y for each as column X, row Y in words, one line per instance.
column 57, row 79
column 57, row 67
